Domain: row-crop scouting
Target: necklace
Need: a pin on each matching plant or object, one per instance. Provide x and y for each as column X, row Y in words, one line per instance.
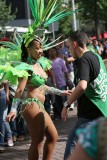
column 84, row 52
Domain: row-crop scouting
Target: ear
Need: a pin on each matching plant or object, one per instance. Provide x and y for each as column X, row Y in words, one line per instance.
column 74, row 44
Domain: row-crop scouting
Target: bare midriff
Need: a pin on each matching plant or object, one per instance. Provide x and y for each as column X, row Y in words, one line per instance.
column 38, row 93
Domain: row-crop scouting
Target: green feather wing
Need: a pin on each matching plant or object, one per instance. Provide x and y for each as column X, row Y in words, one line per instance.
column 7, row 72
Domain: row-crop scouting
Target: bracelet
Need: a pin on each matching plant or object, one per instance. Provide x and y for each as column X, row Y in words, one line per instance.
column 66, row 105
column 15, row 104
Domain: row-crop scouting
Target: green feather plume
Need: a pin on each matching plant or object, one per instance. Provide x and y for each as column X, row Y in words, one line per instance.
column 43, row 17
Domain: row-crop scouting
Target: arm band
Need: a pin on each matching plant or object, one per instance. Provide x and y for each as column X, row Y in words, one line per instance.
column 66, row 105
column 15, row 104
column 55, row 91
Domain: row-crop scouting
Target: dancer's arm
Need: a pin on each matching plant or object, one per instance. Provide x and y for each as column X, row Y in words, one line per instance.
column 16, row 99
column 55, row 91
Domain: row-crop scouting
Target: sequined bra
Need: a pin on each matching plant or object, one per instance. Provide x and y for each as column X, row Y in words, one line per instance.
column 35, row 80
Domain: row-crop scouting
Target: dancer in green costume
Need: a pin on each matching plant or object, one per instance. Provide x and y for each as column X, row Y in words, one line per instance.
column 33, row 78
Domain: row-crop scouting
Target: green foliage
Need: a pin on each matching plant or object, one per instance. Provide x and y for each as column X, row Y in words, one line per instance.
column 65, row 24
column 93, row 11
column 5, row 13
column 89, row 8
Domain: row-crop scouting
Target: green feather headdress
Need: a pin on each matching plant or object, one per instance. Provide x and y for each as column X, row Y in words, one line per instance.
column 43, row 17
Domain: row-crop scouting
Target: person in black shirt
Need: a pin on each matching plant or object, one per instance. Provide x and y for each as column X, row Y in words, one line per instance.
column 88, row 70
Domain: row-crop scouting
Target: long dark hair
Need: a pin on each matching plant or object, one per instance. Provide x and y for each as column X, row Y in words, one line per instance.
column 24, row 54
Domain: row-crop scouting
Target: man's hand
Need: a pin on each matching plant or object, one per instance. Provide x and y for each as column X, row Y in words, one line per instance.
column 64, row 113
column 11, row 116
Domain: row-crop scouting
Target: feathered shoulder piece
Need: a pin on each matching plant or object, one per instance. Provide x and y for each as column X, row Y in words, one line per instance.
column 45, row 63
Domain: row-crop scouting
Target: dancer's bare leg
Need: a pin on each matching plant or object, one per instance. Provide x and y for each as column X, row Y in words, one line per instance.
column 51, row 138
column 35, row 120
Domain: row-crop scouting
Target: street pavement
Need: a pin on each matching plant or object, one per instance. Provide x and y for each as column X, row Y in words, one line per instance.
column 20, row 150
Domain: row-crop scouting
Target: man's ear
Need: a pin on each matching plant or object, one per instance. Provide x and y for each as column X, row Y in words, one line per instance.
column 74, row 44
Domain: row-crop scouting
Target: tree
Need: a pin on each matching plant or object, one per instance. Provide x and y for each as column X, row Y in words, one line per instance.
column 65, row 24
column 93, row 11
column 5, row 13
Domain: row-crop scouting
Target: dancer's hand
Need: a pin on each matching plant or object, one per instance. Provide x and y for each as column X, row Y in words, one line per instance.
column 64, row 113
column 66, row 92
column 11, row 116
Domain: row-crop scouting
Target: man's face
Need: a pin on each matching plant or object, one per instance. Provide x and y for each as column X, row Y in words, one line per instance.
column 72, row 48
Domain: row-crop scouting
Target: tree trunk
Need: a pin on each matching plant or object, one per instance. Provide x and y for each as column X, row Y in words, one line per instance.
column 96, row 18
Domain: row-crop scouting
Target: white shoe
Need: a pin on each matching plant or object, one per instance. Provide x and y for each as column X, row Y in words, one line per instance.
column 10, row 143
column 71, row 107
column 2, row 149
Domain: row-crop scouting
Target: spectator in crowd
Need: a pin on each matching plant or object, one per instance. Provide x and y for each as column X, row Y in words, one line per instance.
column 62, row 80
column 96, row 46
column 67, row 56
column 12, row 90
column 50, row 99
column 4, row 126
column 104, row 54
column 90, row 46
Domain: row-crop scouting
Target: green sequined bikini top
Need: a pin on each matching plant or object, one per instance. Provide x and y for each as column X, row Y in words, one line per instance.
column 35, row 80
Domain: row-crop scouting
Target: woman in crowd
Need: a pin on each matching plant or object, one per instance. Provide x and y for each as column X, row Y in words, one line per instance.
column 4, row 126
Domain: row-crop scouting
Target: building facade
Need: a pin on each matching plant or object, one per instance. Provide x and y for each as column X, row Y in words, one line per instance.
column 23, row 14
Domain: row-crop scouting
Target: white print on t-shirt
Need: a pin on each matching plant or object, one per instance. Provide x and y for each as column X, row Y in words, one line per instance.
column 100, row 85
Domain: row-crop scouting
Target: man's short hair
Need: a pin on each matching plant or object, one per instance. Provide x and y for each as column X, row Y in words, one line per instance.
column 80, row 37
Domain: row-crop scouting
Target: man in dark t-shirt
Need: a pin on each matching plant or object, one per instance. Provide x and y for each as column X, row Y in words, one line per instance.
column 88, row 68
column 91, row 84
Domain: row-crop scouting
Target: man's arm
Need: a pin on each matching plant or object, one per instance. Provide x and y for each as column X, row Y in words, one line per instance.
column 78, row 91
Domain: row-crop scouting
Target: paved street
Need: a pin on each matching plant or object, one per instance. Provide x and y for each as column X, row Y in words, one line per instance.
column 20, row 150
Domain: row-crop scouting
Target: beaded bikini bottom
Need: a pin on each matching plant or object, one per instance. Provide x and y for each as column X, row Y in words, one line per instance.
column 27, row 103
